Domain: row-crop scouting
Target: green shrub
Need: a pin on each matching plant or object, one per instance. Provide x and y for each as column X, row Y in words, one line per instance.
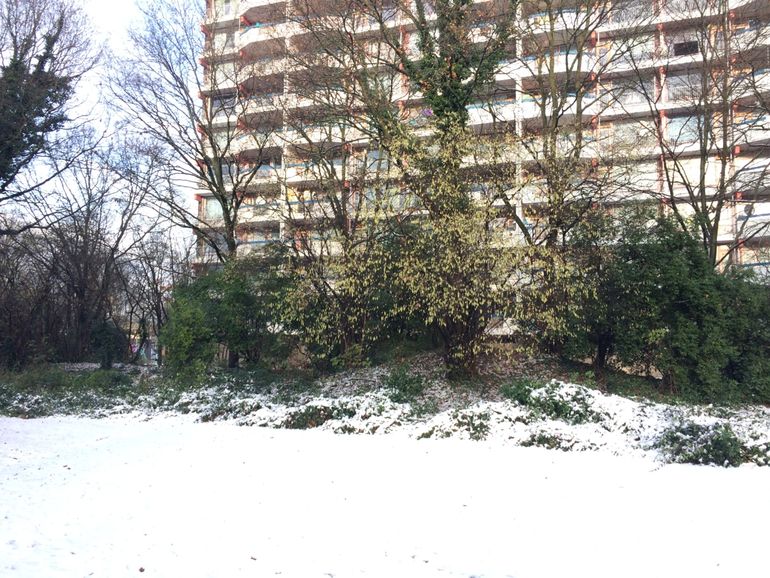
column 39, row 377
column 545, row 440
column 48, row 390
column 565, row 403
column 519, row 390
column 691, row 443
column 232, row 309
column 552, row 400
column 658, row 303
column 105, row 380
column 404, row 387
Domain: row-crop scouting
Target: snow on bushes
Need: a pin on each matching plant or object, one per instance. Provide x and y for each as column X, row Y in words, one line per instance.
column 554, row 414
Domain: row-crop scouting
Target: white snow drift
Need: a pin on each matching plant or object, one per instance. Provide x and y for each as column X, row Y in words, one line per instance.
column 166, row 497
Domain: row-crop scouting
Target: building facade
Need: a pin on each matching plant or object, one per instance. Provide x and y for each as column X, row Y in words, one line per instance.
column 637, row 100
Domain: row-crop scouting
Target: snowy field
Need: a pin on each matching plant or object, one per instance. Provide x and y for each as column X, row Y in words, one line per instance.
column 167, row 497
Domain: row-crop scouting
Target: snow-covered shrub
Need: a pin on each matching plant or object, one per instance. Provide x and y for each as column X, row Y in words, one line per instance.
column 758, row 453
column 693, row 443
column 315, row 415
column 547, row 440
column 565, row 402
column 555, row 400
column 569, row 403
column 476, row 424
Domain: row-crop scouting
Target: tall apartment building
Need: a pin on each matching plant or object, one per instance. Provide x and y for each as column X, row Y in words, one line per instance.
column 669, row 100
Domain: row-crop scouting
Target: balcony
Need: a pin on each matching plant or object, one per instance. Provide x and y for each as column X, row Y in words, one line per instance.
column 498, row 110
column 259, row 65
column 752, row 128
column 262, row 105
column 263, row 31
column 566, row 19
column 564, row 61
column 302, row 172
column 256, row 142
column 248, row 5
column 316, row 133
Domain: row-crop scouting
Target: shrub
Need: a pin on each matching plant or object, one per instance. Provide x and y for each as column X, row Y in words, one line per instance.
column 554, row 400
column 564, row 402
column 49, row 390
column 312, row 416
column 476, row 424
column 47, row 377
column 546, row 440
column 519, row 390
column 106, row 380
column 232, row 309
column 404, row 387
column 659, row 303
column 691, row 443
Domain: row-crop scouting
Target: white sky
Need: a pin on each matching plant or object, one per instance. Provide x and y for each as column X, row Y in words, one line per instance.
column 111, row 19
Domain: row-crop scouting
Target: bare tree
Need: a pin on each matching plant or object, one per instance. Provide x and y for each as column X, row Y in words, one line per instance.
column 195, row 103
column 567, row 75
column 149, row 272
column 88, row 227
column 707, row 126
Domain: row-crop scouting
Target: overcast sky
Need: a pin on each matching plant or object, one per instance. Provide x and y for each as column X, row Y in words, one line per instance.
column 111, row 19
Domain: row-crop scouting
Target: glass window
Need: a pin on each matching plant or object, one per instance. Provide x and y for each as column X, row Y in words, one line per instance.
column 684, row 129
column 213, row 209
column 685, row 48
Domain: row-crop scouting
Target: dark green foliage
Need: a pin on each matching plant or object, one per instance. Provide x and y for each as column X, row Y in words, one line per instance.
column 109, row 343
column 312, row 416
column 31, row 101
column 104, row 380
column 569, row 406
column 544, row 440
column 691, row 443
column 658, row 303
column 518, row 390
column 452, row 67
column 476, row 424
column 50, row 378
column 47, row 390
column 343, row 309
column 405, row 387
column 232, row 309
column 551, row 400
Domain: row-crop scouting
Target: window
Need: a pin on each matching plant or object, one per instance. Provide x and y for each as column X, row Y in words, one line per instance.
column 223, row 105
column 377, row 160
column 213, row 209
column 226, row 7
column 685, row 87
column 685, row 48
column 684, row 129
column 643, row 48
column 630, row 11
column 260, row 237
column 744, row 27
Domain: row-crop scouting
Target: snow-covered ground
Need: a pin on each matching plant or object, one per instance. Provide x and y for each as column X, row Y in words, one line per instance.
column 167, row 497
